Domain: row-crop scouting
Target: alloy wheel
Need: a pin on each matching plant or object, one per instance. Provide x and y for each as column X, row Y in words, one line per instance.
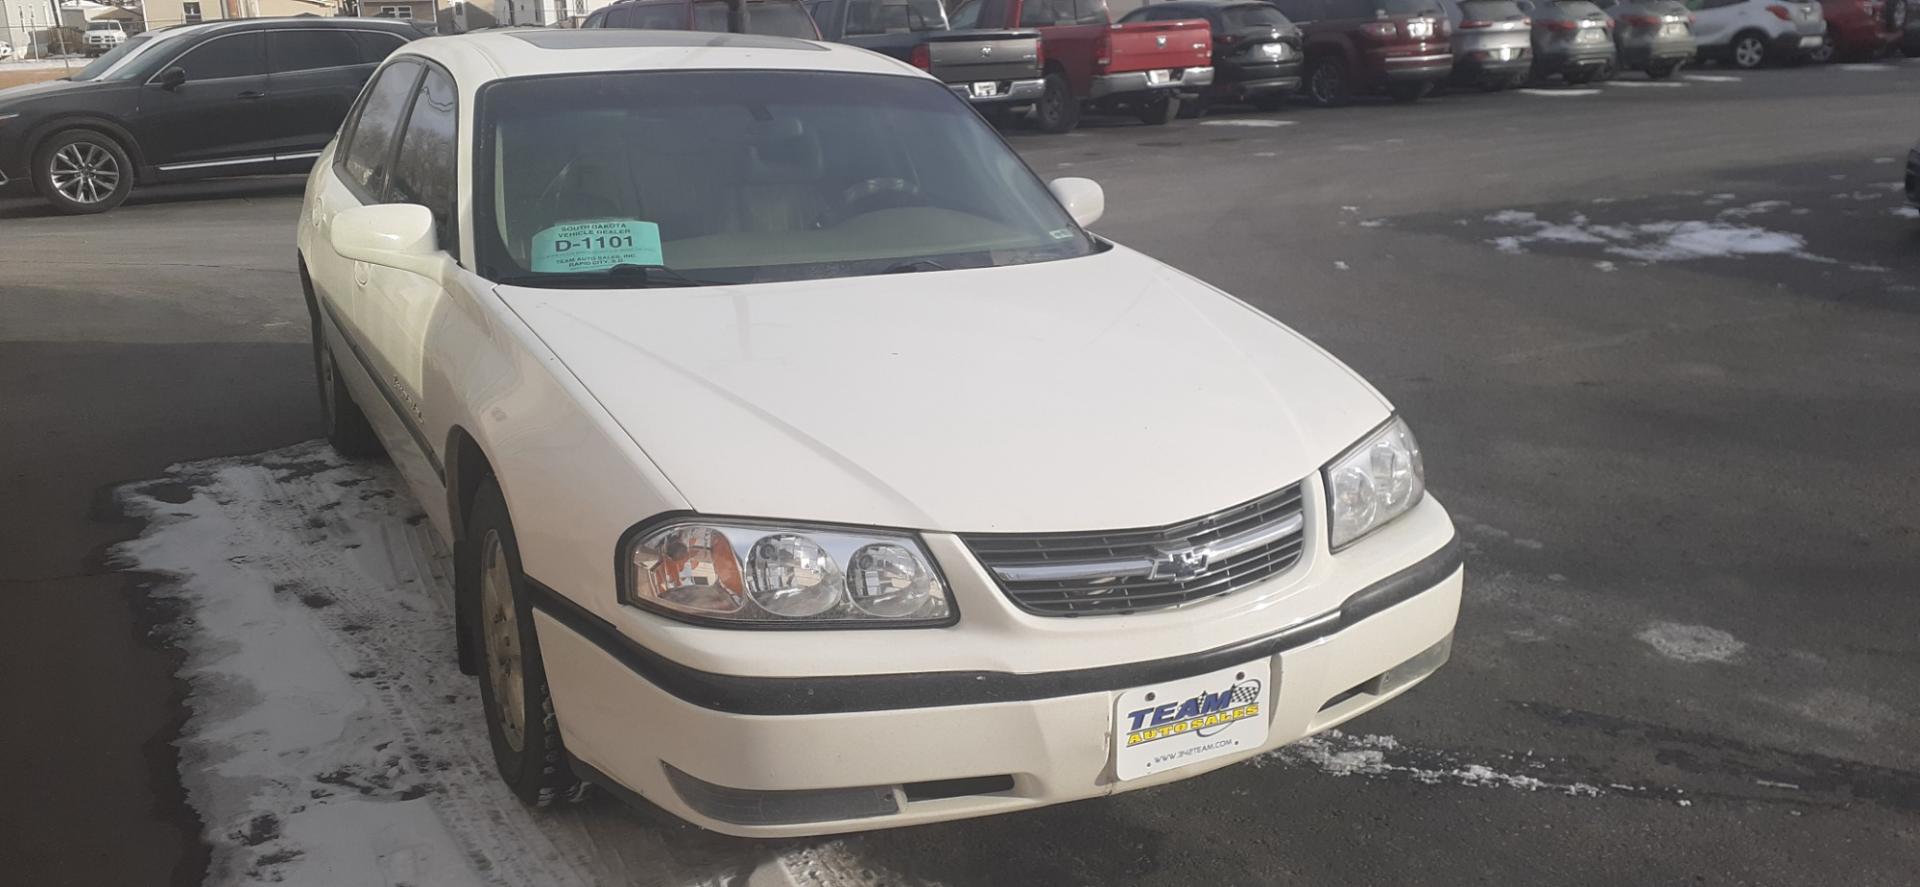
column 84, row 172
column 1748, row 52
column 501, row 630
column 1326, row 83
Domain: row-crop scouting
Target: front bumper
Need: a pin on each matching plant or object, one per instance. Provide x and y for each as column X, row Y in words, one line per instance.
column 1796, row 44
column 769, row 757
column 1137, row 83
column 1574, row 59
column 1005, row 92
column 1481, row 63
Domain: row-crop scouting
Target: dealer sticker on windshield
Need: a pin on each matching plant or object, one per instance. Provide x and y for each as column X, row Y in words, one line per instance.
column 594, row 246
column 1184, row 722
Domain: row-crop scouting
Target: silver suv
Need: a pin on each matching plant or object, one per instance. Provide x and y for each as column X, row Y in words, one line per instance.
column 1749, row 33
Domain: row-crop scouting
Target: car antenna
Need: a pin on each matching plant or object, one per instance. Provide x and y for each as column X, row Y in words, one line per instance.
column 737, row 16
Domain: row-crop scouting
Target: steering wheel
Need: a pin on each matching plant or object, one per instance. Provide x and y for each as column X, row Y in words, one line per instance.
column 868, row 196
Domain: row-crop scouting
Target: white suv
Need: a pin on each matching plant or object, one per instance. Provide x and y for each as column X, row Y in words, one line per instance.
column 103, row 36
column 1749, row 33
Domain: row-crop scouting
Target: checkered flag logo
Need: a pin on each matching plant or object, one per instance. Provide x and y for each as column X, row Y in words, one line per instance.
column 1246, row 692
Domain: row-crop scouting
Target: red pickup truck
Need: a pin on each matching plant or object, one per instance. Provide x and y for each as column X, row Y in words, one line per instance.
column 1140, row 67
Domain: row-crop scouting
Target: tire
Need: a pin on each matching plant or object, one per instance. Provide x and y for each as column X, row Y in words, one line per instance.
column 82, row 171
column 346, row 424
column 1057, row 111
column 513, row 679
column 1327, row 83
column 1409, row 92
column 1747, row 51
column 1158, row 111
column 1824, row 52
column 1194, row 108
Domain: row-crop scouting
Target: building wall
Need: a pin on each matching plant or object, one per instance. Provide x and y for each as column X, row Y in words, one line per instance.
column 164, row 13
column 22, row 20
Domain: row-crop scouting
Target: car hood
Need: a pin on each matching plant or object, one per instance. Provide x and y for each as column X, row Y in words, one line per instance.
column 14, row 95
column 1104, row 392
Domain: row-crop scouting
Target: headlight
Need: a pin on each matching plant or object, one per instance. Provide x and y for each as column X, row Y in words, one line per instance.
column 1373, row 483
column 784, row 576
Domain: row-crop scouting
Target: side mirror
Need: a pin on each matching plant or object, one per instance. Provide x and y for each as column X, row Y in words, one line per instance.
column 171, row 78
column 391, row 235
column 1084, row 200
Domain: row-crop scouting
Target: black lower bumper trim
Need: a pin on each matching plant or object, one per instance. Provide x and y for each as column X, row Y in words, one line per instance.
column 834, row 694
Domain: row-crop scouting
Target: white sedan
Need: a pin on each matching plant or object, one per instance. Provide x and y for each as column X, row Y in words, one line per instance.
column 810, row 467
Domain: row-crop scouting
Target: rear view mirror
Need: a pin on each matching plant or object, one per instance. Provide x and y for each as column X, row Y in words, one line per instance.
column 1083, row 198
column 391, row 235
column 171, row 78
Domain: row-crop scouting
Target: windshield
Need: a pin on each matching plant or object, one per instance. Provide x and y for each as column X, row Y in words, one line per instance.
column 130, row 47
column 749, row 176
column 1253, row 15
column 769, row 19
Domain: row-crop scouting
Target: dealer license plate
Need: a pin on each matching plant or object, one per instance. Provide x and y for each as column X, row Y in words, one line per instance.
column 1184, row 722
column 986, row 89
column 1811, row 42
column 1673, row 29
column 1420, row 29
column 1159, row 77
column 1591, row 35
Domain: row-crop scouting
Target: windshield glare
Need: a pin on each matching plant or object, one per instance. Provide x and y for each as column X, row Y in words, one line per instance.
column 1253, row 15
column 750, row 176
column 131, row 47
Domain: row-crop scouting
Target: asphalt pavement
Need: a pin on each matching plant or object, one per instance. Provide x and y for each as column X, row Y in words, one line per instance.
column 1661, row 344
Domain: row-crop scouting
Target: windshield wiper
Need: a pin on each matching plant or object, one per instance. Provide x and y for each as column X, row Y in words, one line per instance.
column 625, row 274
column 914, row 265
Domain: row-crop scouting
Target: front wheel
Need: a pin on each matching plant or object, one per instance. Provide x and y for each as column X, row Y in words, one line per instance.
column 1748, row 51
column 1057, row 111
column 1159, row 110
column 81, row 171
column 1327, row 82
column 1823, row 53
column 513, row 678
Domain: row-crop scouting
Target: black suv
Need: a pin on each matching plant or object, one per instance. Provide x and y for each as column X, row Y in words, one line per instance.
column 227, row 98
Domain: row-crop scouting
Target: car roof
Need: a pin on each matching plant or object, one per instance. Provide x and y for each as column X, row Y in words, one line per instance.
column 476, row 58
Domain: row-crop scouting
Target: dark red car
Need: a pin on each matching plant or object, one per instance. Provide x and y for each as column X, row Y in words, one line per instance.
column 1399, row 47
column 1861, row 29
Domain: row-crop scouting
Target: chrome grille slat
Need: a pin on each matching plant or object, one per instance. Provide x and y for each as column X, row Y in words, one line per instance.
column 1127, row 571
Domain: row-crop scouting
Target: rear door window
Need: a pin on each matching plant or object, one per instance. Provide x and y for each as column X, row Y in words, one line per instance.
column 236, row 55
column 375, row 47
column 289, row 51
column 894, row 16
column 370, row 148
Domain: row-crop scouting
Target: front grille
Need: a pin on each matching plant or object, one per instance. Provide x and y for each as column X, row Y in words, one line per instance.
column 1127, row 571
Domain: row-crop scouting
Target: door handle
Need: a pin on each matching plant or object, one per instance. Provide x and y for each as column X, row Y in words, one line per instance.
column 362, row 274
column 251, row 94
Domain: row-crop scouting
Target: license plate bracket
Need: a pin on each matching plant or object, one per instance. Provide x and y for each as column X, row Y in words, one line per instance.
column 1183, row 722
column 985, row 89
column 1159, row 77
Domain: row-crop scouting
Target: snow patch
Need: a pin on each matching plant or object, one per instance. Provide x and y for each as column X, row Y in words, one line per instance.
column 1664, row 241
column 1558, row 92
column 1337, row 753
column 1863, row 67
column 1907, row 212
column 1341, row 266
column 1712, row 78
column 1666, row 84
column 1372, row 223
column 1691, row 643
column 332, row 739
column 1608, row 267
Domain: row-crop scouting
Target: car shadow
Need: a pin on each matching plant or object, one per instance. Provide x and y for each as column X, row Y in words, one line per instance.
column 30, row 206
